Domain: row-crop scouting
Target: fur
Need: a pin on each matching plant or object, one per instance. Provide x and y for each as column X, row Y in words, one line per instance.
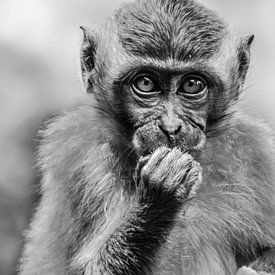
column 105, row 210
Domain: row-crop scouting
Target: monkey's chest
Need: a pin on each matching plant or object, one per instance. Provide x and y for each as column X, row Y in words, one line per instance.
column 179, row 256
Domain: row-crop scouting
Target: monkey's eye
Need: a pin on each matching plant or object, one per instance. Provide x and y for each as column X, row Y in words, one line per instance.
column 144, row 85
column 193, row 87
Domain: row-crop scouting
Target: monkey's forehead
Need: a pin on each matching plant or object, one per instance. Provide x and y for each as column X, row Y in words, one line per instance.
column 178, row 29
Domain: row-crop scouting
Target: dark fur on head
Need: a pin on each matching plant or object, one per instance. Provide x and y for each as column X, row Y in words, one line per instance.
column 179, row 29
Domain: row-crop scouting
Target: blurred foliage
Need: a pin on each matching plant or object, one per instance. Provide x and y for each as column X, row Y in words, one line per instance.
column 39, row 75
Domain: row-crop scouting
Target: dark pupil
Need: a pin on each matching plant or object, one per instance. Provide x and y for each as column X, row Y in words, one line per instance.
column 146, row 82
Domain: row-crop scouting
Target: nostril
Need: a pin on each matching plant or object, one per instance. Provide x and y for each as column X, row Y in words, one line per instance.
column 177, row 130
column 162, row 129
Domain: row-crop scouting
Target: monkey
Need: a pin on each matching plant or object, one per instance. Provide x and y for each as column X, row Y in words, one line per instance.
column 158, row 170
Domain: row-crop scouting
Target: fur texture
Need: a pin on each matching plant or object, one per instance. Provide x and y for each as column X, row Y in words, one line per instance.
column 118, row 196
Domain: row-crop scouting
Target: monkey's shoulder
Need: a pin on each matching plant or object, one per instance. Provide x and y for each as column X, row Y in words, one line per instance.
column 245, row 139
column 71, row 138
column 252, row 131
column 242, row 158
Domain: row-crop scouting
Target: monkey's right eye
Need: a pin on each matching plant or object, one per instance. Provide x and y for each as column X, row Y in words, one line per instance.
column 145, row 86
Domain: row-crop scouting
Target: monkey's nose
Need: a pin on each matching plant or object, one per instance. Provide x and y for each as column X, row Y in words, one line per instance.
column 171, row 131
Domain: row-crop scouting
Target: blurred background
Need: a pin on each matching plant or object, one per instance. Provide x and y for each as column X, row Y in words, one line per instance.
column 39, row 76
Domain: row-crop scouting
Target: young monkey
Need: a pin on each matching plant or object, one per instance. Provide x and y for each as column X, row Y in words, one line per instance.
column 158, row 171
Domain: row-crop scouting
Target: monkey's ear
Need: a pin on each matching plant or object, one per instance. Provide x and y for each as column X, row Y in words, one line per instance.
column 244, row 55
column 87, row 56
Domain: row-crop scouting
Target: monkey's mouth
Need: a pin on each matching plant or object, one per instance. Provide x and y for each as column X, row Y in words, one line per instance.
column 148, row 138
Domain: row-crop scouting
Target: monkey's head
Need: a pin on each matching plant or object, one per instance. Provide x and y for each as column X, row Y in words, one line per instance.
column 164, row 72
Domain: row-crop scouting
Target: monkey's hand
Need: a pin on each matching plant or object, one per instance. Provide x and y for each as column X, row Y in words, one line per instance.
column 168, row 172
column 249, row 271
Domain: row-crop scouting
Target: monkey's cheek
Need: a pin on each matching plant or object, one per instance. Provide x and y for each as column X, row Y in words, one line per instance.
column 145, row 142
column 193, row 139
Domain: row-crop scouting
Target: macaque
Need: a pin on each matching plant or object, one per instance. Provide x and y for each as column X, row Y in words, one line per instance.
column 158, row 171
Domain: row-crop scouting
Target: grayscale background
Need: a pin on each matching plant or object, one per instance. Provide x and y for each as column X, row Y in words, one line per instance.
column 39, row 76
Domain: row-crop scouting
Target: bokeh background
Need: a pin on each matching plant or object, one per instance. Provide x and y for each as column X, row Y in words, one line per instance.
column 39, row 75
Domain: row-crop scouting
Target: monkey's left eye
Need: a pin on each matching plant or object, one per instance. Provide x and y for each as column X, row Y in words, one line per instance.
column 144, row 86
column 193, row 87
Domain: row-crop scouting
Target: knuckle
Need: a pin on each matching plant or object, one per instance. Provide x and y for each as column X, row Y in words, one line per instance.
column 196, row 167
column 176, row 153
column 145, row 170
column 162, row 150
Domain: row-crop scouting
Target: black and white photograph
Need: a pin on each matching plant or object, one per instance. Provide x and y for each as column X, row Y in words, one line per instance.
column 137, row 137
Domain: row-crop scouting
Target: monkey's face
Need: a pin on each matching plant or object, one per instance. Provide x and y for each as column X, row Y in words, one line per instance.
column 163, row 75
column 167, row 108
column 166, row 102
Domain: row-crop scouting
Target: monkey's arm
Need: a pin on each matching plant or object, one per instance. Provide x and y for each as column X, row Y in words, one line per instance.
column 265, row 264
column 166, row 181
column 259, row 153
column 250, row 271
column 131, row 248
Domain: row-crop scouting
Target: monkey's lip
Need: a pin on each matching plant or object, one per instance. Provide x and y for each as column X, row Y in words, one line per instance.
column 145, row 142
column 192, row 151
